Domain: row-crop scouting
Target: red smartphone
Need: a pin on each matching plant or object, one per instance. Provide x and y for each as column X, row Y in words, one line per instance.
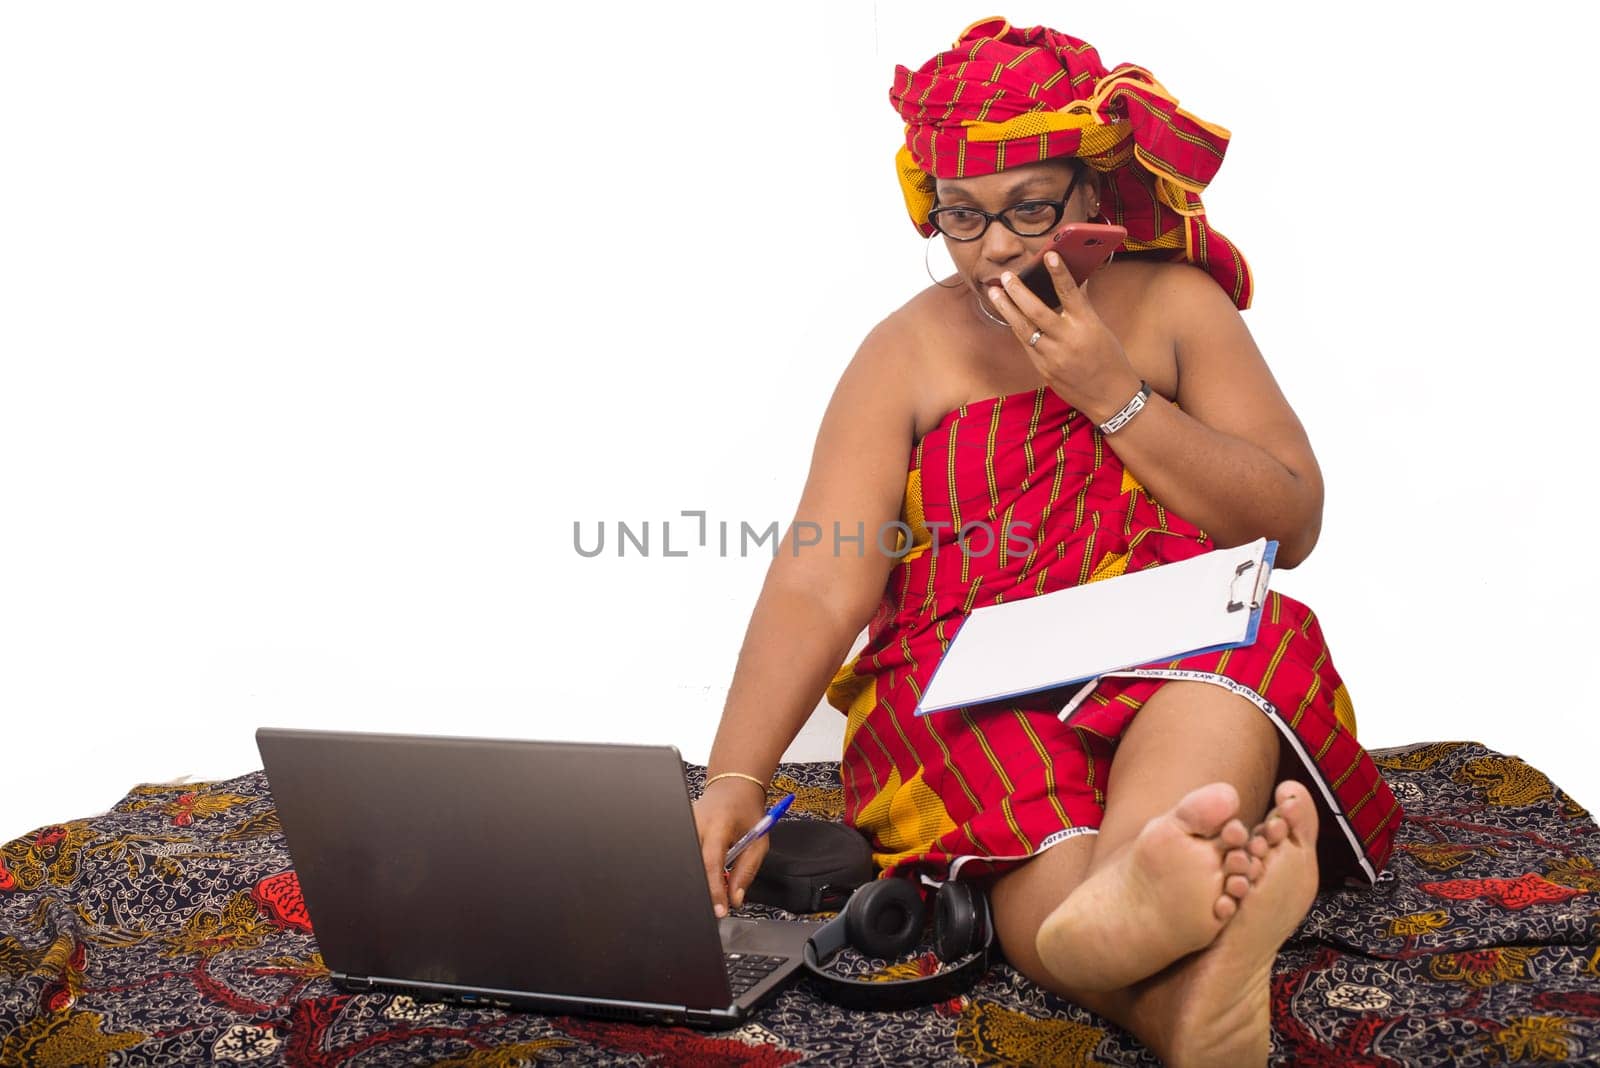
column 1083, row 247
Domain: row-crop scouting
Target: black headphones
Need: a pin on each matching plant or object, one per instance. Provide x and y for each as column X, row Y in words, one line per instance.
column 884, row 919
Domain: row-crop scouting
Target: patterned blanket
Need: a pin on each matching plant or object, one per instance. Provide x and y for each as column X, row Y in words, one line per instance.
column 171, row 931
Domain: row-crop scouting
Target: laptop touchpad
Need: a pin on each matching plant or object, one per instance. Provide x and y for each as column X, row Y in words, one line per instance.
column 740, row 933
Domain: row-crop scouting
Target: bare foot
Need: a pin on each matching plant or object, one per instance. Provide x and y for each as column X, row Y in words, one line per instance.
column 1224, row 1012
column 1266, row 834
column 1163, row 895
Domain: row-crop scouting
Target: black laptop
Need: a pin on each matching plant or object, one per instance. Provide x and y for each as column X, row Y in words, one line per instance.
column 551, row 876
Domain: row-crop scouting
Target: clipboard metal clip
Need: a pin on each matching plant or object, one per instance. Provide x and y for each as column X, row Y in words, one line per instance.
column 1237, row 604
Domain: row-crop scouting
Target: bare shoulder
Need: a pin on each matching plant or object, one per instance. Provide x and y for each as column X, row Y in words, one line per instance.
column 908, row 356
column 1214, row 355
column 1223, row 379
column 1178, row 326
column 1186, row 303
column 884, row 363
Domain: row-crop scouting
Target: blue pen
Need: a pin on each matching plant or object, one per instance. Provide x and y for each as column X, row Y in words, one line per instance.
column 763, row 825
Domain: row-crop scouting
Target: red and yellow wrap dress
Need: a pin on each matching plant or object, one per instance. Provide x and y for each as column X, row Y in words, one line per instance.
column 973, row 790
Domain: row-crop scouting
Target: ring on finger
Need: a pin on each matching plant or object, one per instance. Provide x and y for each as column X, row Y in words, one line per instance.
column 1034, row 340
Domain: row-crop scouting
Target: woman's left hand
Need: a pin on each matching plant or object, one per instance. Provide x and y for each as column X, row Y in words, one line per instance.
column 1078, row 355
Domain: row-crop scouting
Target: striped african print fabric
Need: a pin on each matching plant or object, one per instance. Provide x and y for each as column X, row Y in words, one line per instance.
column 1016, row 496
column 1003, row 97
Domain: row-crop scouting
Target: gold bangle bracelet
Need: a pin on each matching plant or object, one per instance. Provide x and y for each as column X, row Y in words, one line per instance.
column 736, row 775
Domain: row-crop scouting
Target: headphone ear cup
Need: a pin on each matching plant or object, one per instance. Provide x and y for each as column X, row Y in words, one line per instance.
column 960, row 921
column 884, row 918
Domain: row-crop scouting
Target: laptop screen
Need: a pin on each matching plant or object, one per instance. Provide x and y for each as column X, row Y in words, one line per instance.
column 559, row 868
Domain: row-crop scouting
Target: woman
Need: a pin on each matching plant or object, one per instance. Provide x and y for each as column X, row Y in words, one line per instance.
column 1124, row 835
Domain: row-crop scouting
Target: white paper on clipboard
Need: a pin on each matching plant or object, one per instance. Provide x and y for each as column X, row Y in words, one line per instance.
column 1211, row 601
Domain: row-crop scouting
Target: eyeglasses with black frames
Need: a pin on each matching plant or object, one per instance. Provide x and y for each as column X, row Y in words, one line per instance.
column 1028, row 218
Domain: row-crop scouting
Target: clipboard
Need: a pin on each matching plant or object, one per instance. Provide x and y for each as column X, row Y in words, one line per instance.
column 1204, row 604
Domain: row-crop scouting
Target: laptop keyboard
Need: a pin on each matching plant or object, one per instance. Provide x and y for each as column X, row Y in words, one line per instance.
column 745, row 970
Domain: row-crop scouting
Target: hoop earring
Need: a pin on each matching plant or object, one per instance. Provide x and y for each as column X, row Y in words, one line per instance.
column 927, row 251
column 1102, row 218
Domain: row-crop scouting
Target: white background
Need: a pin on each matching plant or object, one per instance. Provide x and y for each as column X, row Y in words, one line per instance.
column 322, row 324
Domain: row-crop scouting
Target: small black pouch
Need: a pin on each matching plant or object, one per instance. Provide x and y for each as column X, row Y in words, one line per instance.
column 812, row 866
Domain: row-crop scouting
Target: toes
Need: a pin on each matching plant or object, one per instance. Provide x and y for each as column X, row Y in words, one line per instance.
column 1225, row 907
column 1257, row 869
column 1205, row 811
column 1296, row 809
column 1258, row 845
column 1234, row 834
column 1236, row 886
column 1237, row 862
column 1275, row 829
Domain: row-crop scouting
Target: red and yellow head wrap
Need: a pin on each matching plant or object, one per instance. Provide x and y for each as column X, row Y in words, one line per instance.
column 1003, row 97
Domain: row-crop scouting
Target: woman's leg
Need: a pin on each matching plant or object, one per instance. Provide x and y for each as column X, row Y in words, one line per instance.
column 1102, row 921
column 1156, row 887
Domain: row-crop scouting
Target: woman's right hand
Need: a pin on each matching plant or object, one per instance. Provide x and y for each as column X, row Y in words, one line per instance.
column 726, row 810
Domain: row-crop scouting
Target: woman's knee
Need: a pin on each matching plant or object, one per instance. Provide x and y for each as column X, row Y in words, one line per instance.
column 1193, row 733
column 1184, row 706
